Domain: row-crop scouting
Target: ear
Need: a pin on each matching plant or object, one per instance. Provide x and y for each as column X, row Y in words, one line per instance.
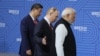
column 67, row 15
column 50, row 13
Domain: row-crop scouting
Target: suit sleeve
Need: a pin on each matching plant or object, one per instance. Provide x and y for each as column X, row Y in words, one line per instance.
column 38, row 34
column 24, row 34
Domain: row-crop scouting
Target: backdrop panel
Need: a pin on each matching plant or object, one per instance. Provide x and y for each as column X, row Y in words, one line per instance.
column 86, row 27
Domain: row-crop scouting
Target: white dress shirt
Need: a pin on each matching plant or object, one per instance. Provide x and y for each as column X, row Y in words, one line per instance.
column 47, row 20
column 60, row 34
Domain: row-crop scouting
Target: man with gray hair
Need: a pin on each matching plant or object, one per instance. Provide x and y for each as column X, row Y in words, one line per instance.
column 63, row 41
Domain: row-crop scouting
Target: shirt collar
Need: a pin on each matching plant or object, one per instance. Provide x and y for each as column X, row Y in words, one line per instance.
column 31, row 16
column 47, row 20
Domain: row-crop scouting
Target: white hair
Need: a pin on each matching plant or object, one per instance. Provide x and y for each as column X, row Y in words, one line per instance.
column 67, row 11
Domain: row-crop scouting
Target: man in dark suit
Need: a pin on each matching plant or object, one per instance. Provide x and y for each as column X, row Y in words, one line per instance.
column 43, row 33
column 63, row 40
column 27, row 29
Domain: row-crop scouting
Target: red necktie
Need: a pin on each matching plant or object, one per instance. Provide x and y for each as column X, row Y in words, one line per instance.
column 35, row 21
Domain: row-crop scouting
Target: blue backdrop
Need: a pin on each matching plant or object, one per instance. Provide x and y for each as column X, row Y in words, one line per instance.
column 86, row 27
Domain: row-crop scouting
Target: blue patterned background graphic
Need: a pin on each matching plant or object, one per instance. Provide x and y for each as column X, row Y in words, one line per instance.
column 86, row 27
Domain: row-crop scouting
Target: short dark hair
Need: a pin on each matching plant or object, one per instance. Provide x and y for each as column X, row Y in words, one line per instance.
column 36, row 6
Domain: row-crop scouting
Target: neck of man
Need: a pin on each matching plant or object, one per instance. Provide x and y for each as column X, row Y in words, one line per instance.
column 33, row 15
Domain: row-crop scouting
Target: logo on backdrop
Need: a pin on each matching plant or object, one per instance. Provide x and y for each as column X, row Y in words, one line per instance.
column 95, row 13
column 18, row 39
column 80, row 28
column 30, row 0
column 72, row 0
column 2, row 24
column 14, row 12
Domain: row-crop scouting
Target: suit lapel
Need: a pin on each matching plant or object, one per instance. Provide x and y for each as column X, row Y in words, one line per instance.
column 47, row 24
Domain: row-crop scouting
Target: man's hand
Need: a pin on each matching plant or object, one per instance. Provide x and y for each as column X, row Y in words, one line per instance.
column 28, row 52
column 44, row 41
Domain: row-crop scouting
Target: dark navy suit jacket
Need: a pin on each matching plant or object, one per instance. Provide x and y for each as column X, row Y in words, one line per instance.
column 42, row 29
column 27, row 30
